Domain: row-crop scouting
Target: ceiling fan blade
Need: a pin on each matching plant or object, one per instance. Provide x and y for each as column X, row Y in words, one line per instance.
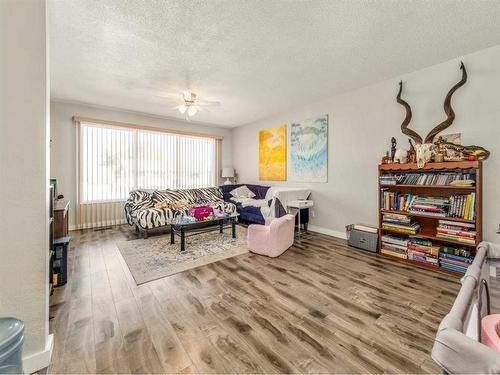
column 169, row 95
column 170, row 101
column 208, row 103
column 204, row 109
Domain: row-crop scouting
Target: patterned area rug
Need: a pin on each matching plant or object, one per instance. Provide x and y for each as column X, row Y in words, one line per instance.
column 154, row 258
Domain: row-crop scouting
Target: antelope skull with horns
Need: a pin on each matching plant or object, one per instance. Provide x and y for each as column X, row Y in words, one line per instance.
column 426, row 149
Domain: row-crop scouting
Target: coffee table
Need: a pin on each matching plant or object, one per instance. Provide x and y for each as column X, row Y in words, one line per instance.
column 180, row 228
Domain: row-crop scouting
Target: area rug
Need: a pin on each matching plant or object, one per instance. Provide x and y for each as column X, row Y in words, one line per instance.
column 153, row 258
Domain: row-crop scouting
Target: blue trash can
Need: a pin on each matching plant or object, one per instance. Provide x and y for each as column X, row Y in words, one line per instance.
column 11, row 346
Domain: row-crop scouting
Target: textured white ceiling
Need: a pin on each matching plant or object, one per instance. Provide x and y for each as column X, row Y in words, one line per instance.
column 257, row 57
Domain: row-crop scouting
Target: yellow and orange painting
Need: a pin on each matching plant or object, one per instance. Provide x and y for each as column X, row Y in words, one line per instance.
column 272, row 154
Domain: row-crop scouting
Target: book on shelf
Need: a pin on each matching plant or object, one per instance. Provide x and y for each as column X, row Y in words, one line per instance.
column 399, row 223
column 415, row 245
column 395, row 240
column 411, row 228
column 423, row 258
column 454, row 268
column 463, row 206
column 460, row 252
column 424, row 251
column 467, row 178
column 455, row 259
column 396, row 218
column 456, row 231
column 401, row 255
column 395, row 201
column 394, row 246
column 455, row 206
column 452, row 259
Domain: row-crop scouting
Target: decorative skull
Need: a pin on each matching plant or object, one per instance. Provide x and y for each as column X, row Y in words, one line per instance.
column 426, row 149
column 400, row 156
column 425, row 153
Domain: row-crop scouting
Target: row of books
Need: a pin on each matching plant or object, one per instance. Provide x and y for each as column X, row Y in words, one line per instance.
column 399, row 223
column 454, row 259
column 394, row 201
column 434, row 206
column 462, row 206
column 425, row 252
column 394, row 246
column 422, row 251
column 457, row 231
column 437, row 178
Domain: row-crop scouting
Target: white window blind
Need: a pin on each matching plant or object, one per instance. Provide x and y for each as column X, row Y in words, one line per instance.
column 114, row 161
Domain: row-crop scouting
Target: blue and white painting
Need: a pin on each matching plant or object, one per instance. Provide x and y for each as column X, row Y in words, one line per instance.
column 309, row 150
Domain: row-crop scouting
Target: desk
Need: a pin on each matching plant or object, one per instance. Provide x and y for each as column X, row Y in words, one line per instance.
column 298, row 205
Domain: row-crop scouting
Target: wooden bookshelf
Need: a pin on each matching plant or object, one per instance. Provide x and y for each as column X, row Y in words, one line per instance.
column 428, row 222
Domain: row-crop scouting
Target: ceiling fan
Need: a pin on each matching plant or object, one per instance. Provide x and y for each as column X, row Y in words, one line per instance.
column 188, row 103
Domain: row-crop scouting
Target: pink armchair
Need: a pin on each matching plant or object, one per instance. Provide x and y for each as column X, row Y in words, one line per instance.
column 272, row 239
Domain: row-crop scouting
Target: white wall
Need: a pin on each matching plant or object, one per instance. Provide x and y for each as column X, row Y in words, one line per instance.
column 63, row 135
column 362, row 122
column 24, row 133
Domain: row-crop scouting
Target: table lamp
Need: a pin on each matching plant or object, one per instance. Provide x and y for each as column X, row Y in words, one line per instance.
column 227, row 173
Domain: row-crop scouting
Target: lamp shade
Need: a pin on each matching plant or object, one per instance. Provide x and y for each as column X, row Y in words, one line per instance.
column 227, row 172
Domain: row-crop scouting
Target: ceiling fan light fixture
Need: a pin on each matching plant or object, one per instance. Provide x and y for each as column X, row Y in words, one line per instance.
column 192, row 110
column 189, row 96
column 182, row 108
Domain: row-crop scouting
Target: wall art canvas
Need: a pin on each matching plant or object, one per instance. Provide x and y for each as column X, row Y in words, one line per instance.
column 272, row 154
column 309, row 150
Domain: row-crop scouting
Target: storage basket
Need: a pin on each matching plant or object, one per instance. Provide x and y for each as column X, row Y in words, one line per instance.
column 363, row 237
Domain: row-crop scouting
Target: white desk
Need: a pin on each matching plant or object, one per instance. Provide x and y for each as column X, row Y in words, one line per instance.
column 298, row 205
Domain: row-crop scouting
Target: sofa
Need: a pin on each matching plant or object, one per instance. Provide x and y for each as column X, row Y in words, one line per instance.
column 247, row 214
column 154, row 210
column 253, row 215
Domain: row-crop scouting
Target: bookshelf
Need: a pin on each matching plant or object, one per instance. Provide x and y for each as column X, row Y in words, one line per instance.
column 405, row 189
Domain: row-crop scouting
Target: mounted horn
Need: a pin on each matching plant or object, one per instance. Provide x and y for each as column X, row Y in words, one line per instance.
column 404, row 126
column 447, row 108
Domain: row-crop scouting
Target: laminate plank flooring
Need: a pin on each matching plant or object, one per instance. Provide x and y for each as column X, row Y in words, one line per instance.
column 321, row 307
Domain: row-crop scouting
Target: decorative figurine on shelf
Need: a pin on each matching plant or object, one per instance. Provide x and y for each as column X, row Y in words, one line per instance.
column 454, row 152
column 439, row 157
column 400, row 156
column 411, row 155
column 393, row 148
column 386, row 159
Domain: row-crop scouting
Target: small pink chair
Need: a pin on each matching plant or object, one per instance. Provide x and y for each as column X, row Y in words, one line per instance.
column 272, row 239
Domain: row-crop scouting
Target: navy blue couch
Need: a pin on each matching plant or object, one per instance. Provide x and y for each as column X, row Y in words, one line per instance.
column 253, row 214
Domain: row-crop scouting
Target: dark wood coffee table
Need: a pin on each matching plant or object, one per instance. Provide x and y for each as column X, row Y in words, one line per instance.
column 181, row 229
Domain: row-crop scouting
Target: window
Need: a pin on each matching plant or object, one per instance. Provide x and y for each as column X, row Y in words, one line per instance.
column 115, row 160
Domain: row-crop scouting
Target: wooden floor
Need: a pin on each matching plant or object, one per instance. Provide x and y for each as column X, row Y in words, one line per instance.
column 321, row 307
